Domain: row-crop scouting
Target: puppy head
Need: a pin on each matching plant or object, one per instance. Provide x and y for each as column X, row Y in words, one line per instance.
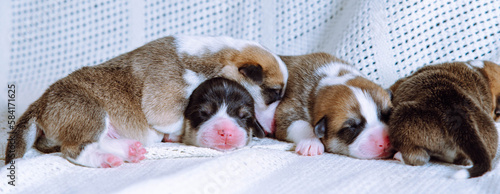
column 492, row 71
column 264, row 75
column 220, row 115
column 351, row 119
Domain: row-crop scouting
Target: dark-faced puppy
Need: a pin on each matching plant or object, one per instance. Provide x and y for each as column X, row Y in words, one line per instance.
column 220, row 115
column 447, row 112
column 329, row 105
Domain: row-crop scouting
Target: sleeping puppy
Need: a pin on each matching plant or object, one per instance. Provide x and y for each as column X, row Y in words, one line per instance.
column 101, row 116
column 220, row 115
column 329, row 104
column 447, row 112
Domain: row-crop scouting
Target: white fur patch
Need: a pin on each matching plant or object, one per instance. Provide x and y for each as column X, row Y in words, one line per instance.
column 175, row 128
column 30, row 136
column 199, row 45
column 89, row 156
column 284, row 72
column 367, row 105
column 193, row 80
column 331, row 72
column 153, row 137
column 475, row 63
column 300, row 130
column 260, row 105
column 266, row 116
column 461, row 174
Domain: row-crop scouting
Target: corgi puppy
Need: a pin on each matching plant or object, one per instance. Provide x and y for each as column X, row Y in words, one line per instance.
column 329, row 105
column 447, row 111
column 101, row 116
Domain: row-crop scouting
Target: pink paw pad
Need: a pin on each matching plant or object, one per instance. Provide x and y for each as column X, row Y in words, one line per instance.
column 111, row 161
column 136, row 152
column 310, row 147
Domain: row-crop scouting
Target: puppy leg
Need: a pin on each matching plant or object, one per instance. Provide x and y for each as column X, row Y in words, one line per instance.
column 302, row 133
column 90, row 156
column 106, row 153
column 413, row 156
column 126, row 149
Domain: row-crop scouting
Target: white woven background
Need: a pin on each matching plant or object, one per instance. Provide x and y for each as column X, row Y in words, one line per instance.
column 44, row 40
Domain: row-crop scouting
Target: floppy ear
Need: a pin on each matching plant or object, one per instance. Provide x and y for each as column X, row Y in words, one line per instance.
column 254, row 72
column 320, row 128
column 257, row 129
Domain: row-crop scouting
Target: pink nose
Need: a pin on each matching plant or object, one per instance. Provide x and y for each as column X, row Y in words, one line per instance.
column 226, row 130
column 383, row 143
column 224, row 134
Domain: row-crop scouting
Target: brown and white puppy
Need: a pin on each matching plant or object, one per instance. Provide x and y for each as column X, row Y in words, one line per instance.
column 329, row 104
column 220, row 115
column 447, row 112
column 100, row 116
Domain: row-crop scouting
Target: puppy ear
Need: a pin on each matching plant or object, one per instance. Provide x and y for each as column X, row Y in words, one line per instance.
column 320, row 128
column 254, row 72
column 258, row 130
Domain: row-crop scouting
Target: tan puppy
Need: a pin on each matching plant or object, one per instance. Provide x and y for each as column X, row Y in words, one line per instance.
column 93, row 114
column 328, row 99
column 447, row 112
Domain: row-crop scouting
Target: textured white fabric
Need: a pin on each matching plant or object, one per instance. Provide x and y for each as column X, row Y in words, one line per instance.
column 42, row 41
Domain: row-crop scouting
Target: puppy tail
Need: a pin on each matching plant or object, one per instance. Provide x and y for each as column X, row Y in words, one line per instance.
column 23, row 135
column 466, row 135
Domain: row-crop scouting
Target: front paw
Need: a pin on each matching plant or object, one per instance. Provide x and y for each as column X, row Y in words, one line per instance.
column 310, row 147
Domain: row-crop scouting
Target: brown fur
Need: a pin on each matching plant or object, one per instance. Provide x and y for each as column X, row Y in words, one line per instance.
column 444, row 111
column 303, row 99
column 137, row 90
column 302, row 81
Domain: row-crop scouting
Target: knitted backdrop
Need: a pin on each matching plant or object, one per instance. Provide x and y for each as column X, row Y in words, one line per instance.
column 43, row 41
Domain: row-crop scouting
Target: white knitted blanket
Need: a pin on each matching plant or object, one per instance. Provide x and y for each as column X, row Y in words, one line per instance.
column 266, row 166
column 42, row 41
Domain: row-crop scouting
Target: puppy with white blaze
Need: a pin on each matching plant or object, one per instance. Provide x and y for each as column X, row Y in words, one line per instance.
column 329, row 105
column 101, row 116
column 220, row 115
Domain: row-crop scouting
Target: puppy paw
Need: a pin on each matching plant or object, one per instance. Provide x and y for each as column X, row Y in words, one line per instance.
column 135, row 152
column 128, row 150
column 398, row 156
column 310, row 147
column 111, row 161
column 413, row 156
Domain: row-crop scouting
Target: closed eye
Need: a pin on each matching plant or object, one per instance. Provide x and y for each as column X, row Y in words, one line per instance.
column 272, row 95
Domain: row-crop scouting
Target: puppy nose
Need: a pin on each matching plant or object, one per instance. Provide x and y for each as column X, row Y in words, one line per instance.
column 224, row 133
column 225, row 129
column 383, row 144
